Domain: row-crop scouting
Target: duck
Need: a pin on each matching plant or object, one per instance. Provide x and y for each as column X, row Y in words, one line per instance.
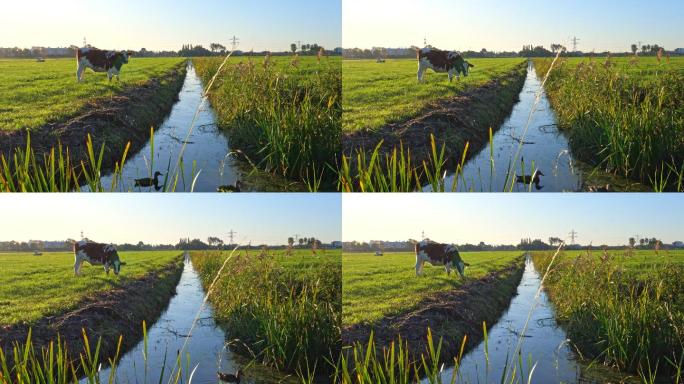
column 229, row 377
column 230, row 188
column 149, row 181
column 532, row 179
column 599, row 188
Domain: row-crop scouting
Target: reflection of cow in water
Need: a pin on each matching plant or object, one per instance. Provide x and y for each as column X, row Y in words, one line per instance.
column 439, row 254
column 96, row 254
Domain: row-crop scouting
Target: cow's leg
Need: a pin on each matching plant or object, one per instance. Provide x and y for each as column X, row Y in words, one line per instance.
column 106, row 268
column 451, row 75
column 447, row 267
column 421, row 72
column 79, row 72
column 77, row 266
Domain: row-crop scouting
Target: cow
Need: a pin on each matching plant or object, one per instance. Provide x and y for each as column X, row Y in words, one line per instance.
column 439, row 254
column 101, row 61
column 440, row 61
column 96, row 254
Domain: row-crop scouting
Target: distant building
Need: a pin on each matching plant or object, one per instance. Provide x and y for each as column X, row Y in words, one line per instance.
column 679, row 51
column 335, row 244
column 338, row 51
column 678, row 244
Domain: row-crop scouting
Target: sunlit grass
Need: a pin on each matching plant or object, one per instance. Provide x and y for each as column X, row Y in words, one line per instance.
column 33, row 94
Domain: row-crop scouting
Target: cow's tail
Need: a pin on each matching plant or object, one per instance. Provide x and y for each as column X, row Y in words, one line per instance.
column 418, row 50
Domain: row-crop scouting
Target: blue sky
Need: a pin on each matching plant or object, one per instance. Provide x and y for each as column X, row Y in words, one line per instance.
column 507, row 25
column 166, row 25
column 154, row 218
column 506, row 218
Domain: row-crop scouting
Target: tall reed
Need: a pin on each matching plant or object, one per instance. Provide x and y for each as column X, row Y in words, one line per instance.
column 285, row 117
column 617, row 316
column 622, row 119
column 287, row 318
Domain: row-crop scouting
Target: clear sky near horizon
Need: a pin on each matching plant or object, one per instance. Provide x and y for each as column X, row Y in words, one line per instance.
column 506, row 218
column 504, row 25
column 262, row 218
column 167, row 24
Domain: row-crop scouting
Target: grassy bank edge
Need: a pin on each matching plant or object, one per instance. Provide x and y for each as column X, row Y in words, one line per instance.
column 402, row 156
column 106, row 315
column 488, row 297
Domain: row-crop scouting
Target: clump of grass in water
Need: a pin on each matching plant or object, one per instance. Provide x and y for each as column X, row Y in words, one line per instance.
column 25, row 171
column 618, row 318
column 283, row 318
column 624, row 120
column 53, row 364
column 285, row 118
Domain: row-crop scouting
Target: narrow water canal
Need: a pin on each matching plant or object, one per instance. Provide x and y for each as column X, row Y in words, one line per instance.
column 204, row 346
column 542, row 144
column 208, row 147
column 544, row 345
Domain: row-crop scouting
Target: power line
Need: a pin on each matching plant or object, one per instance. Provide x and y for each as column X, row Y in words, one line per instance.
column 573, row 235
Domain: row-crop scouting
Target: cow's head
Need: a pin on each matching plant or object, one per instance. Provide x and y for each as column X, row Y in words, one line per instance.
column 113, row 258
column 466, row 68
column 126, row 55
column 455, row 257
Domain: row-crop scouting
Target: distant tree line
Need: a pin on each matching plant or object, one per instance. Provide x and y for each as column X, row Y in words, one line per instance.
column 526, row 244
column 526, row 51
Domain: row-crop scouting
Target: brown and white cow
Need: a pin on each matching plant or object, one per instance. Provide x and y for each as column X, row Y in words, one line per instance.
column 439, row 254
column 101, row 61
column 96, row 254
column 440, row 61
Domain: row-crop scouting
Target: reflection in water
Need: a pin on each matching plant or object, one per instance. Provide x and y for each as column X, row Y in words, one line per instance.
column 544, row 344
column 542, row 148
column 206, row 146
column 204, row 349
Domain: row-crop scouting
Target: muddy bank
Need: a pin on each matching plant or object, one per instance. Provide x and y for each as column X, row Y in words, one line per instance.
column 454, row 122
column 113, row 121
column 108, row 314
column 450, row 315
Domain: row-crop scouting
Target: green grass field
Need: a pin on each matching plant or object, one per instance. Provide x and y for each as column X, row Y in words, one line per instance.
column 375, row 94
column 377, row 286
column 624, row 115
column 286, row 309
column 33, row 94
column 625, row 310
column 32, row 287
column 285, row 117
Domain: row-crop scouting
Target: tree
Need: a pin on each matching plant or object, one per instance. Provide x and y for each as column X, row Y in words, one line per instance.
column 634, row 49
column 290, row 241
column 301, row 241
column 293, row 47
column 632, row 241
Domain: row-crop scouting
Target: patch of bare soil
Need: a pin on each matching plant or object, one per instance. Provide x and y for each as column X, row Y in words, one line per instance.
column 449, row 315
column 112, row 121
column 453, row 122
column 107, row 314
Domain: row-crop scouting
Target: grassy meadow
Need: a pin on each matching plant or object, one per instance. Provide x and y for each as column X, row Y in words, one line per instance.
column 375, row 94
column 623, row 115
column 624, row 309
column 283, row 310
column 32, row 287
column 33, row 94
column 282, row 113
column 377, row 286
